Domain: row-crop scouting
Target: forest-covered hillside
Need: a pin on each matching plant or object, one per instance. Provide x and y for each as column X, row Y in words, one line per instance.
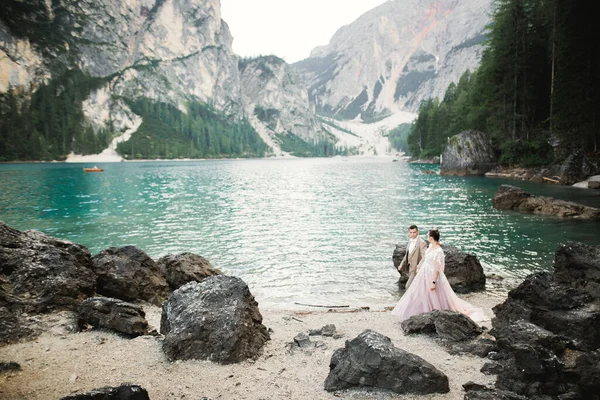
column 536, row 93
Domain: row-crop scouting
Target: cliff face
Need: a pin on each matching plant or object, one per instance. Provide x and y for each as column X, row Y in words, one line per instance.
column 20, row 64
column 168, row 48
column 171, row 50
column 396, row 55
column 468, row 153
column 277, row 100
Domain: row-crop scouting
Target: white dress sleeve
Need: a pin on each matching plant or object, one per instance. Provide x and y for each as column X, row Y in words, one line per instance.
column 439, row 260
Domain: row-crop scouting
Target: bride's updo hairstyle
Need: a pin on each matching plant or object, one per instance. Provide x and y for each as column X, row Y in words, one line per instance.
column 435, row 234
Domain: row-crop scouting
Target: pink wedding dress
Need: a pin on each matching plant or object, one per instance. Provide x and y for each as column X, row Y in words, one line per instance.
column 418, row 298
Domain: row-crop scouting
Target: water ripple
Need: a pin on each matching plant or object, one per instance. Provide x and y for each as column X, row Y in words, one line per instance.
column 315, row 231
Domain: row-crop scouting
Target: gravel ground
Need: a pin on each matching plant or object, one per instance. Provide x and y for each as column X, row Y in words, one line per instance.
column 59, row 363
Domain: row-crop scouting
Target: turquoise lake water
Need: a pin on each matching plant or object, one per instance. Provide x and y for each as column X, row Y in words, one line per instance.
column 312, row 231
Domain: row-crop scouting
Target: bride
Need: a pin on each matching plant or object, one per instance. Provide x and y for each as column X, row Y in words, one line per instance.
column 430, row 289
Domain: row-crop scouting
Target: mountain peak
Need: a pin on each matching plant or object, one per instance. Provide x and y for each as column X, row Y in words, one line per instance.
column 394, row 56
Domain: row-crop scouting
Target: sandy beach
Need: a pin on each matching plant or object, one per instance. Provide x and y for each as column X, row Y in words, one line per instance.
column 59, row 363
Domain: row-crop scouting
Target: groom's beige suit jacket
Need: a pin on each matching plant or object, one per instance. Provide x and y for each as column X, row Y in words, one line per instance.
column 413, row 260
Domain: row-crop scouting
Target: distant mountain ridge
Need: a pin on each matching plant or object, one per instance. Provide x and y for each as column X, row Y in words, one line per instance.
column 394, row 56
column 167, row 51
column 180, row 52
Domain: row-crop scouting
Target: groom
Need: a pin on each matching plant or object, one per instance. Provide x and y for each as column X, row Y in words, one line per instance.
column 415, row 253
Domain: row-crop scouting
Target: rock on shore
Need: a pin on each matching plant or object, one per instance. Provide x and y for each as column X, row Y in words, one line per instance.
column 548, row 330
column 514, row 198
column 468, row 153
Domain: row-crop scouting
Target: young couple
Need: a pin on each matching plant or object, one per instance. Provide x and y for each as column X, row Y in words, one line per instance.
column 427, row 288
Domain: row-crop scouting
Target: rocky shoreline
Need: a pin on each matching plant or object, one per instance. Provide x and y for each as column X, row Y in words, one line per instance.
column 510, row 197
column 543, row 175
column 129, row 327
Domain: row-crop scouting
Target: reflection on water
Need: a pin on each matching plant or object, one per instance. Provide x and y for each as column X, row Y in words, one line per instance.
column 315, row 231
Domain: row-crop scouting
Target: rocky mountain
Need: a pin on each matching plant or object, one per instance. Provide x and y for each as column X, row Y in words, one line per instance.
column 168, row 51
column 276, row 101
column 100, row 58
column 165, row 50
column 394, row 56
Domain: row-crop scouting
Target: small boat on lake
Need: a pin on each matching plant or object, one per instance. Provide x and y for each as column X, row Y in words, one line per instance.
column 95, row 169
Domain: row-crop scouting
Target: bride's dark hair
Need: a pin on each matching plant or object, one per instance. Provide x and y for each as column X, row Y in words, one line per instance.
column 435, row 234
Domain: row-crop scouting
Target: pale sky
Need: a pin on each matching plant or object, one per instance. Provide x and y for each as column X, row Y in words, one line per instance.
column 289, row 29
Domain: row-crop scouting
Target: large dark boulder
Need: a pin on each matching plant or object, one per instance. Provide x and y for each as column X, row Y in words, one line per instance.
column 180, row 269
column 548, row 330
column 577, row 167
column 113, row 314
column 534, row 366
column 463, row 271
column 578, row 266
column 509, row 197
column 468, row 153
column 371, row 360
column 129, row 274
column 445, row 324
column 13, row 327
column 123, row 392
column 553, row 306
column 40, row 273
column 216, row 319
column 587, row 368
column 514, row 198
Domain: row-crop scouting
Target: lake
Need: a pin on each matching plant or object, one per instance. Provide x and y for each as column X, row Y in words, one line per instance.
column 312, row 231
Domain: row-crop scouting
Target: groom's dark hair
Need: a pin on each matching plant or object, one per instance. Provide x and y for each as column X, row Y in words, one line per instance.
column 413, row 227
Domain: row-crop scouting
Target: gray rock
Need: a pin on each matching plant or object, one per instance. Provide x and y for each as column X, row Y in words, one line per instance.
column 548, row 330
column 371, row 360
column 9, row 366
column 554, row 307
column 42, row 272
column 445, row 324
column 492, row 394
column 514, row 198
column 492, row 368
column 463, row 271
column 587, row 367
column 473, row 386
column 327, row 330
column 578, row 266
column 123, row 392
column 180, row 269
column 13, row 328
column 113, row 314
column 468, row 153
column 496, row 356
column 216, row 319
column 302, row 340
column 127, row 273
column 479, row 347
column 576, row 166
